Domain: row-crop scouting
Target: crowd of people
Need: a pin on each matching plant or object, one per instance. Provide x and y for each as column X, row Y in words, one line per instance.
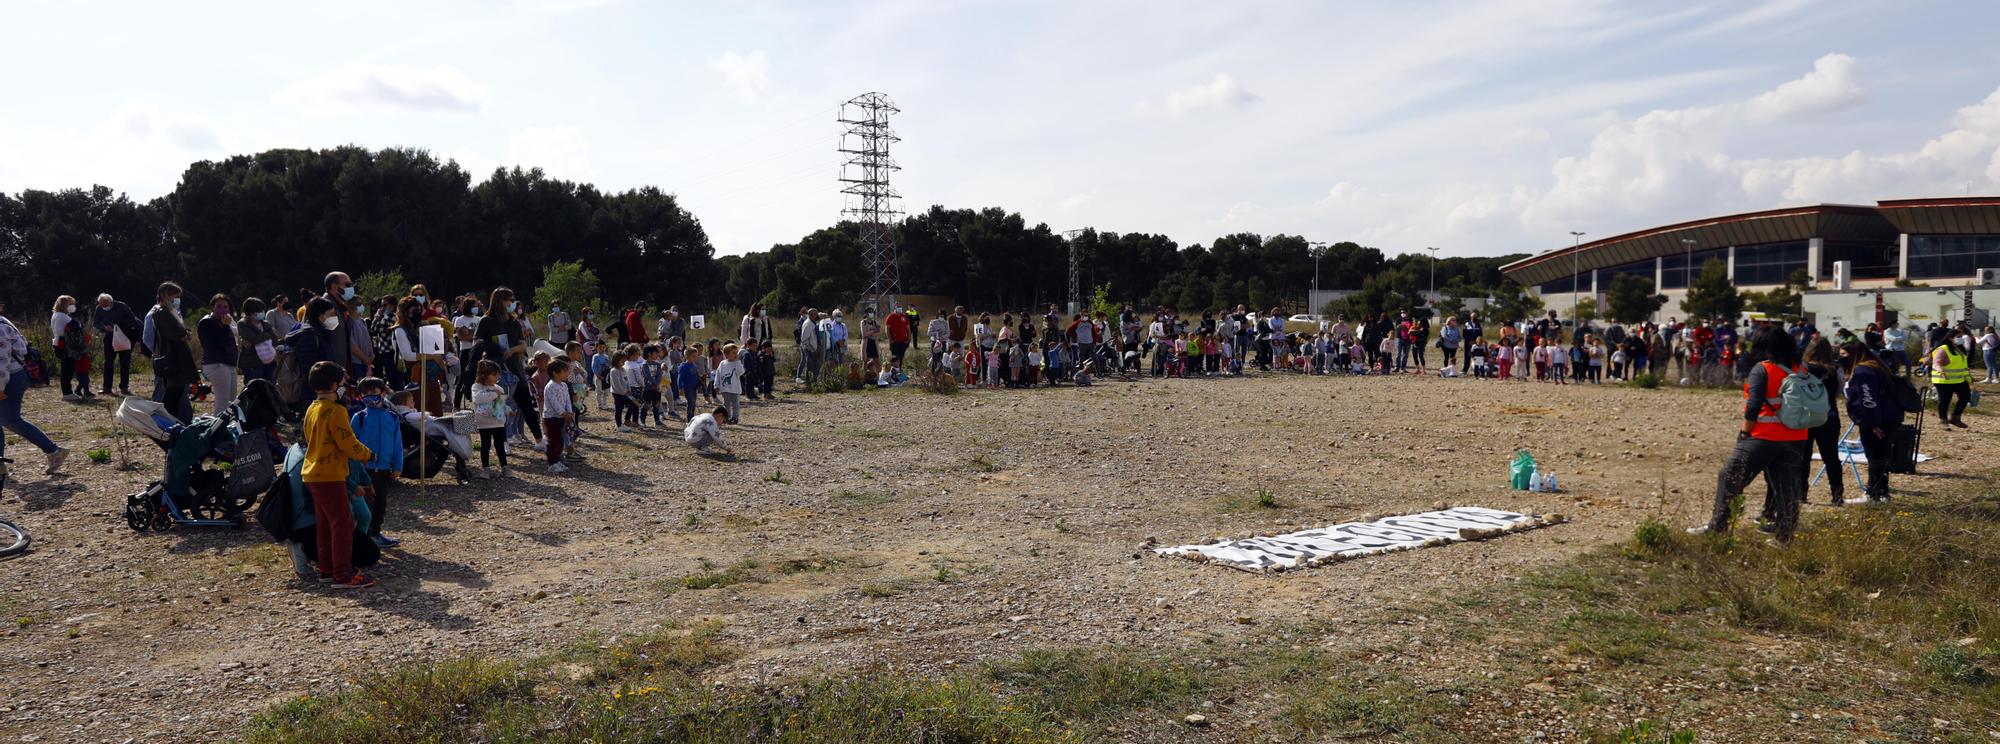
column 530, row 384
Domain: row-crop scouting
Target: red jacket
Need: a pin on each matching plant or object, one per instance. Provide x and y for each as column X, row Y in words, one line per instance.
column 635, row 327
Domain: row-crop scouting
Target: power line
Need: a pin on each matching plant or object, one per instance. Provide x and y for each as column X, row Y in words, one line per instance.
column 870, row 198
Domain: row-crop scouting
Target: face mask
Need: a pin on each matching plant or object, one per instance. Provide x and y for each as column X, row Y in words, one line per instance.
column 177, row 304
column 363, row 309
column 555, row 308
column 373, row 400
column 222, row 312
column 514, row 307
column 421, row 300
column 69, row 308
column 476, row 312
column 330, row 322
column 347, row 293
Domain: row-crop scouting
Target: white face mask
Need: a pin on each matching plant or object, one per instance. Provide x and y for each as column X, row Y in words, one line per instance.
column 69, row 308
column 330, row 322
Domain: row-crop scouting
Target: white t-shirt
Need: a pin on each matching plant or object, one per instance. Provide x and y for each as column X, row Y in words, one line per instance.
column 1989, row 342
column 729, row 377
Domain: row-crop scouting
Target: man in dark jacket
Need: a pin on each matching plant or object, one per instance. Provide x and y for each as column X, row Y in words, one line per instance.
column 108, row 314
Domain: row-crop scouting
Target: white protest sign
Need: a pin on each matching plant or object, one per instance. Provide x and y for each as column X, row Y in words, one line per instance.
column 430, row 339
column 698, row 322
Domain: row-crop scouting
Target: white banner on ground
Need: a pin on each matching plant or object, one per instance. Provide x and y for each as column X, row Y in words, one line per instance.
column 1355, row 539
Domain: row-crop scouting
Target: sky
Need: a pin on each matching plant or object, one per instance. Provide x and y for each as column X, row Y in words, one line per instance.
column 1477, row 127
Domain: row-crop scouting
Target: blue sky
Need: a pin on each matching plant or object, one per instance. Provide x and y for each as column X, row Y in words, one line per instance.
column 1477, row 127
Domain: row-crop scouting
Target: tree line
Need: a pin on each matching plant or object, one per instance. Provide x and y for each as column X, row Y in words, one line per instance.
column 278, row 220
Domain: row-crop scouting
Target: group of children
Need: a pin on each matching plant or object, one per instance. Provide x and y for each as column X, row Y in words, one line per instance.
column 653, row 379
column 1013, row 364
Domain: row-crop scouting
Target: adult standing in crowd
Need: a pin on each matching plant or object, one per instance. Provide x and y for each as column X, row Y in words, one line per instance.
column 1472, row 334
column 1872, row 406
column 119, row 327
column 751, row 333
column 425, row 371
column 561, row 328
column 634, row 320
column 380, row 323
column 674, row 325
column 256, row 345
column 1764, row 444
column 14, row 373
column 502, row 330
column 72, row 348
column 352, row 349
column 280, row 317
column 898, row 326
column 218, row 351
column 1821, row 363
column 1989, row 352
column 423, row 297
column 309, row 343
column 173, row 359
column 871, row 333
column 465, row 328
column 1448, row 340
column 1952, row 376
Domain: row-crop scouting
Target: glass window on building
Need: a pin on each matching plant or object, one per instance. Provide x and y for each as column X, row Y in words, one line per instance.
column 1563, row 285
column 1678, row 270
column 1950, row 256
column 1872, row 259
column 1769, row 263
column 1641, row 269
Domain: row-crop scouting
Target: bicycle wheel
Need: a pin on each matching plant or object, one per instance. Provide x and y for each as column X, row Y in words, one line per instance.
column 13, row 539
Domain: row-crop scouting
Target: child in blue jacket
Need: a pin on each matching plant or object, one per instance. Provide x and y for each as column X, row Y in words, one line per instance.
column 377, row 427
column 687, row 379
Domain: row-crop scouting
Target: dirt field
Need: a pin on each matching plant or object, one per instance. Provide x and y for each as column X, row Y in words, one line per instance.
column 880, row 528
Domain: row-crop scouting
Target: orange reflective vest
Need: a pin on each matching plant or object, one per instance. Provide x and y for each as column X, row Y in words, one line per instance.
column 1767, row 426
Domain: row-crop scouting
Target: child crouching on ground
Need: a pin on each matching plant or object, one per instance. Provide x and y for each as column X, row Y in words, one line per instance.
column 557, row 413
column 705, row 432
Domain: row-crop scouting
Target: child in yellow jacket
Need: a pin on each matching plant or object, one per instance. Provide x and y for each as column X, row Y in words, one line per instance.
column 330, row 445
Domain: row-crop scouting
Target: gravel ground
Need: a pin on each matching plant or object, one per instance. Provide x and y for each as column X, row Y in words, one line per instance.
column 891, row 529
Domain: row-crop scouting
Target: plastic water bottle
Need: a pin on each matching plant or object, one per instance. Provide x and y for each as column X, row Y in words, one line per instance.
column 1535, row 481
column 1550, row 486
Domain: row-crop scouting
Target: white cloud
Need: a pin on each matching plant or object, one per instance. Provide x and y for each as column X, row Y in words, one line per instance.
column 748, row 76
column 562, row 152
column 1221, row 92
column 1074, row 201
column 361, row 87
column 1831, row 86
column 1761, row 14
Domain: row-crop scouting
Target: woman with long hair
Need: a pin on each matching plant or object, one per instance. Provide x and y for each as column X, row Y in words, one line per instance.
column 426, row 371
column 1873, row 407
column 1822, row 363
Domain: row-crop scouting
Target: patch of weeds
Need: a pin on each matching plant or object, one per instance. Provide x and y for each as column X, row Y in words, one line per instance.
column 1343, row 710
column 73, row 632
column 1061, row 525
column 1652, row 534
column 778, row 477
column 1614, row 635
column 711, row 577
column 1951, row 663
column 1644, row 380
column 693, row 519
column 983, row 463
column 1644, row 732
column 1266, row 499
column 815, row 564
column 23, row 621
column 878, row 589
column 99, row 455
column 1094, row 684
column 868, row 433
column 943, row 575
column 666, row 652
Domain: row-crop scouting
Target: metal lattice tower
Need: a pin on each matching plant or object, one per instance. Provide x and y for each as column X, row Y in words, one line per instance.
column 1075, row 266
column 871, row 201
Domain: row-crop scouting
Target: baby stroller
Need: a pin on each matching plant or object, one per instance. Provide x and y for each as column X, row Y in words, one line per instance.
column 240, row 444
column 442, row 442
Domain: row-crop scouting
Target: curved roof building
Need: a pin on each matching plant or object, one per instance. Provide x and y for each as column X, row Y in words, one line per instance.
column 1943, row 241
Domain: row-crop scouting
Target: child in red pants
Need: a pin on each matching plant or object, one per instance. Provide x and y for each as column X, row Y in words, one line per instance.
column 330, row 444
column 557, row 413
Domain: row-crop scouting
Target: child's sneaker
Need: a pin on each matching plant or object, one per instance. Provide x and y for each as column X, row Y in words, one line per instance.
column 558, row 468
column 357, row 581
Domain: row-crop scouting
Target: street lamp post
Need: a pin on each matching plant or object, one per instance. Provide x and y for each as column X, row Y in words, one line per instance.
column 1434, row 275
column 1318, row 249
column 1575, row 274
column 1687, row 262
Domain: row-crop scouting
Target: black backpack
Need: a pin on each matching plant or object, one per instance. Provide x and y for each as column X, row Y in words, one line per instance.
column 1904, row 394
